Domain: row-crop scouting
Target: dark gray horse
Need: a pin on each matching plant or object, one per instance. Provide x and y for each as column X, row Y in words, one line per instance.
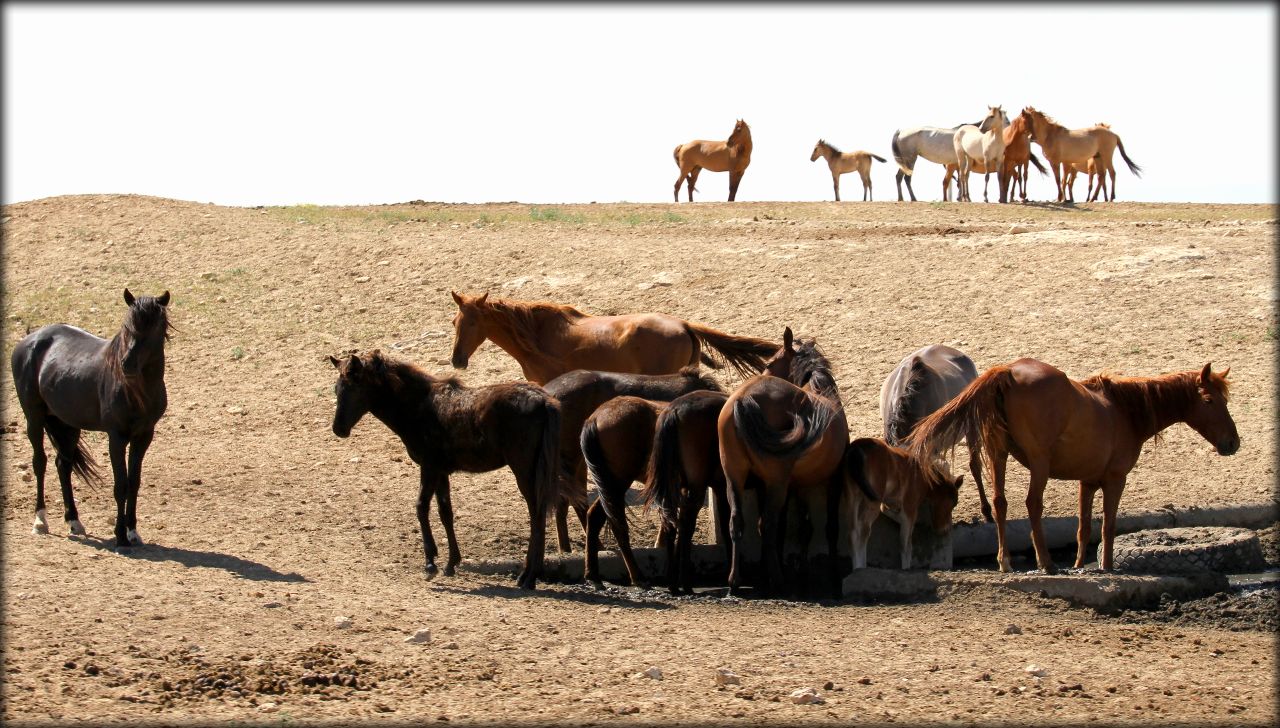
column 924, row 381
column 69, row 380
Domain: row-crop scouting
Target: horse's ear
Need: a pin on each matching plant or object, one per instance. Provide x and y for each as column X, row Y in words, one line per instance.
column 334, row 361
column 456, row 298
column 483, row 297
column 355, row 364
column 959, row 481
column 163, row 299
column 1224, row 372
column 787, row 339
column 1205, row 373
column 128, row 297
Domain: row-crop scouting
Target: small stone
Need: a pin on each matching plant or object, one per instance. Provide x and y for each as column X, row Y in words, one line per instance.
column 449, row 646
column 235, row 409
column 220, row 298
column 806, row 696
column 644, row 286
column 628, row 710
column 725, row 676
column 828, row 685
column 91, row 669
column 268, row 708
column 208, row 275
column 26, row 477
column 653, row 673
column 272, row 605
column 362, row 279
column 422, row 635
column 745, row 694
column 1013, row 629
column 1065, row 688
column 68, row 665
column 1035, row 670
column 342, row 622
column 864, row 681
column 1018, row 229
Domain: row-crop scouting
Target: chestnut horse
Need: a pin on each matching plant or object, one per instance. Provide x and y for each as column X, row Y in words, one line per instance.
column 790, row 432
column 923, row 381
column 985, row 145
column 732, row 156
column 685, row 462
column 1062, row 146
column 447, row 427
column 548, row 340
column 902, row 484
column 842, row 162
column 1090, row 430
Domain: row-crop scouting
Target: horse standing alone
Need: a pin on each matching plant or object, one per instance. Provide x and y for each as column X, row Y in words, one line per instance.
column 732, row 156
column 843, row 162
column 69, row 380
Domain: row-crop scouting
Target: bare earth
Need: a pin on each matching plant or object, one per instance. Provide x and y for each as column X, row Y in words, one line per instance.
column 262, row 527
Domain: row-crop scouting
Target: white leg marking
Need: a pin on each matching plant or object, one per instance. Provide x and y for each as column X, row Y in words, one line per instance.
column 134, row 538
column 77, row 529
column 40, row 526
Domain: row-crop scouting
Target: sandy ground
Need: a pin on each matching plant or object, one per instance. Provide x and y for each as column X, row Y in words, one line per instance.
column 263, row 527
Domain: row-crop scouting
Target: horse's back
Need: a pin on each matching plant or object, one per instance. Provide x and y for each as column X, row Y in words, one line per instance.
column 59, row 364
column 942, row 373
column 644, row 343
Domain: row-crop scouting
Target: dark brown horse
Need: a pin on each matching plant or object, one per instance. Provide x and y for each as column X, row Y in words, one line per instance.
column 1090, row 430
column 548, row 339
column 580, row 393
column 791, row 433
column 447, row 427
column 69, row 380
column 685, row 462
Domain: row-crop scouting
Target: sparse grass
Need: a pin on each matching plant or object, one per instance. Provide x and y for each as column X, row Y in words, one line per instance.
column 237, row 353
column 555, row 214
column 1271, row 333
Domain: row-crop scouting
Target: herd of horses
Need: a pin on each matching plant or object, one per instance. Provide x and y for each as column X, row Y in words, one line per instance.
column 623, row 399
column 994, row 144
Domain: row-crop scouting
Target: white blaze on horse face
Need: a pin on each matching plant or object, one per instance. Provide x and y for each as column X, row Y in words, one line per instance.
column 76, row 528
column 40, row 526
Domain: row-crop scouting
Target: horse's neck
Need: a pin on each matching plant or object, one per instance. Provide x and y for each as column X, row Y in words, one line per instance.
column 1169, row 404
column 413, row 412
column 540, row 359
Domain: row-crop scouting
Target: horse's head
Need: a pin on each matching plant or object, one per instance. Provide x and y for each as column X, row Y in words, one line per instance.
column 944, row 494
column 741, row 134
column 355, row 378
column 1208, row 413
column 468, row 327
column 817, row 150
column 779, row 365
column 146, row 327
column 995, row 119
column 1028, row 117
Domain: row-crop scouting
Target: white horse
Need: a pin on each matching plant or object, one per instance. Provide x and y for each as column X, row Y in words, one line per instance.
column 985, row 146
column 935, row 144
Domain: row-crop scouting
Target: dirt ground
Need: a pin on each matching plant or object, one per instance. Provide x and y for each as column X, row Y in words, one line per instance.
column 263, row 528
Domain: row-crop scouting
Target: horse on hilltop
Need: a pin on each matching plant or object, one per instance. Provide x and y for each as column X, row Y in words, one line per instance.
column 1063, row 146
column 843, row 162
column 732, row 156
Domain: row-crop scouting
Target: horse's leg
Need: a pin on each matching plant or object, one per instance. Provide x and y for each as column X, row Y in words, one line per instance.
column 735, row 482
column 734, row 179
column 986, row 185
column 617, row 495
column 526, row 479
column 39, row 461
column 562, row 527
column 1035, row 509
column 998, row 463
column 427, row 483
column 835, row 487
column 835, row 182
column 1059, row 179
column 773, row 514
column 66, row 439
column 905, row 525
column 138, row 445
column 1111, row 490
column 866, row 186
column 858, row 531
column 973, row 442
column 1112, row 172
column 1084, row 530
column 679, row 181
column 116, row 444
column 688, row 523
column 595, row 524
column 693, row 180
column 444, row 504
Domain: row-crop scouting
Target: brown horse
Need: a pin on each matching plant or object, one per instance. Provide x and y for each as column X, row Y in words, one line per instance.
column 685, row 462
column 548, row 340
column 902, row 484
column 447, row 427
column 843, row 162
column 1090, row 430
column 791, row 433
column 580, row 393
column 732, row 156
column 1062, row 146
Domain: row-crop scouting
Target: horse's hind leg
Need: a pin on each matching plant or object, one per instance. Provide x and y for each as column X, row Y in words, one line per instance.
column 693, row 180
column 35, row 433
column 562, row 527
column 973, row 442
column 866, row 186
column 444, row 504
column 137, row 450
column 1035, row 509
column 998, row 462
column 66, row 441
column 428, row 482
column 595, row 524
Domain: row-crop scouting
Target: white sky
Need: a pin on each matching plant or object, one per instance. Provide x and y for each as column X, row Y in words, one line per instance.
column 335, row 104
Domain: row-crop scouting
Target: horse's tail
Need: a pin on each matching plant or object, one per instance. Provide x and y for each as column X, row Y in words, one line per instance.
column 676, row 154
column 877, row 157
column 549, row 487
column 745, row 354
column 67, row 444
column 754, row 429
column 1036, row 161
column 597, row 463
column 1137, row 171
column 897, row 156
column 978, row 408
column 855, row 467
column 666, row 468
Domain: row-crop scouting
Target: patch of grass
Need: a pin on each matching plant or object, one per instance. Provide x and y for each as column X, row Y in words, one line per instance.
column 237, row 353
column 555, row 214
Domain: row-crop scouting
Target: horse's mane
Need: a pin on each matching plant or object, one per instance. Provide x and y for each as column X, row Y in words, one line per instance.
column 1146, row 401
column 810, row 366
column 521, row 318
column 703, row 378
column 1048, row 119
column 145, row 314
column 404, row 379
column 829, row 145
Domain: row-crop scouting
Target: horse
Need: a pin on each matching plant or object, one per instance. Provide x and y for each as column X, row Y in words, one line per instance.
column 1071, row 171
column 923, row 381
column 842, row 162
column 1090, row 430
column 902, row 484
column 580, row 392
column 548, row 339
column 732, row 156
column 791, row 433
column 684, row 463
column 933, row 143
column 69, row 380
column 448, row 427
column 1017, row 157
column 1062, row 146
column 987, row 145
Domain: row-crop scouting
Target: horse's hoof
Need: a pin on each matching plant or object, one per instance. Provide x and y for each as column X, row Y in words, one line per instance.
column 431, row 571
column 76, row 528
column 449, row 570
column 1050, row 570
column 134, row 538
column 596, row 584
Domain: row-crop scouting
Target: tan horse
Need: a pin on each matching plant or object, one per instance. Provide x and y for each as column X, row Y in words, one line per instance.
column 1090, row 168
column 1063, row 146
column 548, row 339
column 903, row 485
column 973, row 145
column 732, row 156
column 843, row 162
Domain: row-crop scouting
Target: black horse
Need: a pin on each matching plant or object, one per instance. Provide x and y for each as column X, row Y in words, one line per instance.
column 447, row 427
column 69, row 380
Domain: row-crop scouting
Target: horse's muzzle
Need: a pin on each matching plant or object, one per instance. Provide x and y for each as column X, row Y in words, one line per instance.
column 340, row 429
column 459, row 362
column 1229, row 447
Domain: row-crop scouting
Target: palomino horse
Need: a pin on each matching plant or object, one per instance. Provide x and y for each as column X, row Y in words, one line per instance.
column 842, row 162
column 684, row 464
column 447, row 427
column 902, row 484
column 580, row 393
column 933, row 143
column 973, row 144
column 1017, row 157
column 1090, row 430
column 548, row 340
column 923, row 381
column 1062, row 146
column 791, row 433
column 732, row 156
column 69, row 380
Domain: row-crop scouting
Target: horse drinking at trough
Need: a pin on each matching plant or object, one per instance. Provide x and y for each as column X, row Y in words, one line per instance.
column 1090, row 430
column 842, row 162
column 447, row 427
column 69, row 380
column 732, row 156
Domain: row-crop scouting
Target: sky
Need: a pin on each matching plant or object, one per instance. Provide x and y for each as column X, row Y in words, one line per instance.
column 328, row 104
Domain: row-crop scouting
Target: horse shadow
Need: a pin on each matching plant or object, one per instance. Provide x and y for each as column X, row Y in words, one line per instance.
column 569, row 594
column 243, row 568
column 1058, row 206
